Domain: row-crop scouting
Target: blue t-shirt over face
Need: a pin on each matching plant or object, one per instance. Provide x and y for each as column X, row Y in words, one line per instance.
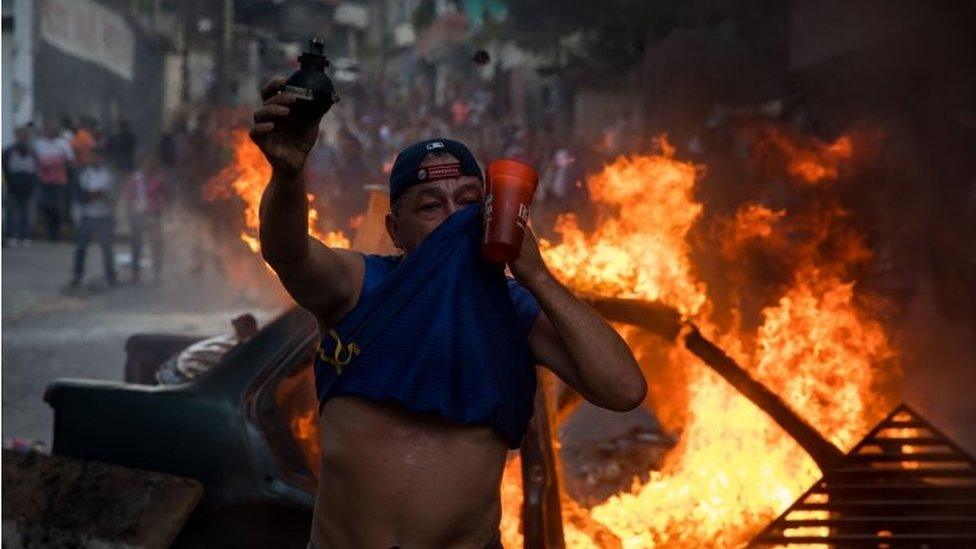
column 442, row 331
column 378, row 267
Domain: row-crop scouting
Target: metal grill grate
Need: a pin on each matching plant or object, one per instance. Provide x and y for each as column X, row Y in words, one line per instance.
column 905, row 484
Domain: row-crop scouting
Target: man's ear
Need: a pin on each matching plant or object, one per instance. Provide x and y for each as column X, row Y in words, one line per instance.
column 391, row 229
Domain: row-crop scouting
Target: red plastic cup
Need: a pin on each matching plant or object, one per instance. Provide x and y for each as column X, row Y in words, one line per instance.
column 510, row 186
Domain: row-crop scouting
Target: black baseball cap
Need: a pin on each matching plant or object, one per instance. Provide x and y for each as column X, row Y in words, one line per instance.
column 407, row 172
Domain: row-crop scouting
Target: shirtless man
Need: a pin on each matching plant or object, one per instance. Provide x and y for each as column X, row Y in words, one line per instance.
column 392, row 476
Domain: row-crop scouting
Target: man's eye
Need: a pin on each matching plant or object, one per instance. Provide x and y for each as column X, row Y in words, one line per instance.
column 470, row 200
column 430, row 206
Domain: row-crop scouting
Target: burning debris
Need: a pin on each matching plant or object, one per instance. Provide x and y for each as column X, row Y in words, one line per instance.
column 807, row 160
column 245, row 178
column 816, row 347
column 733, row 468
column 640, row 248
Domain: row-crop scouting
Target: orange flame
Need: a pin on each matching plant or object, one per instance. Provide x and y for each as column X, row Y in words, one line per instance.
column 821, row 163
column 805, row 159
column 734, row 469
column 247, row 176
column 751, row 222
column 295, row 396
column 640, row 249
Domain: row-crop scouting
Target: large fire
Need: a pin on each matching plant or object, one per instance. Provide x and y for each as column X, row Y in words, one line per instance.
column 641, row 248
column 246, row 177
column 734, row 469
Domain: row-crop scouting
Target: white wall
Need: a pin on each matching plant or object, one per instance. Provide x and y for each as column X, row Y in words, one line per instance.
column 17, row 68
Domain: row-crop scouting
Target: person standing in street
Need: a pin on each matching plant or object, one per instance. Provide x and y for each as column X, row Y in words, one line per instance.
column 20, row 175
column 54, row 157
column 96, row 185
column 82, row 142
column 145, row 198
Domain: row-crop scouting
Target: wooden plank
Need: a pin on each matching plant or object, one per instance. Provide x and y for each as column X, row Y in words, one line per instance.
column 920, row 492
column 848, row 520
column 900, row 487
column 912, row 441
column 956, row 506
column 896, row 457
column 886, row 473
column 849, row 538
column 54, row 501
column 905, row 424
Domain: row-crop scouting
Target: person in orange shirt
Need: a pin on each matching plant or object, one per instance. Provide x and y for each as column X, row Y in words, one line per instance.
column 83, row 143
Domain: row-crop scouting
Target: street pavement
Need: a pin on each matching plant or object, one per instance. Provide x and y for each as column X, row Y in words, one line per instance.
column 49, row 332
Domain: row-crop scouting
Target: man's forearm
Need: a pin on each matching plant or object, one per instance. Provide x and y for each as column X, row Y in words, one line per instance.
column 284, row 220
column 603, row 363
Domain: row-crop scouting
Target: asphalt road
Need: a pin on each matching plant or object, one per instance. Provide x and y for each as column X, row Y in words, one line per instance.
column 48, row 333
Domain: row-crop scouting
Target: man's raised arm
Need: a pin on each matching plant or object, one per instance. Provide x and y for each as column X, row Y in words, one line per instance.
column 320, row 279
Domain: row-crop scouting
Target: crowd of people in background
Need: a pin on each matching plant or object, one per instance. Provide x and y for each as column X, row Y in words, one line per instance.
column 66, row 179
column 358, row 142
column 78, row 180
column 74, row 178
column 381, row 123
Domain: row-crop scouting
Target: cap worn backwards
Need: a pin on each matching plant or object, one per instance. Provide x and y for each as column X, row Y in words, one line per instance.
column 407, row 172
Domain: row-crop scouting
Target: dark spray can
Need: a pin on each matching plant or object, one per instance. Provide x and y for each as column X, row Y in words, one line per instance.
column 313, row 89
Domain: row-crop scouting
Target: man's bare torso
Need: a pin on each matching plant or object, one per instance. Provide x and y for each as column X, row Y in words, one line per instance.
column 393, row 478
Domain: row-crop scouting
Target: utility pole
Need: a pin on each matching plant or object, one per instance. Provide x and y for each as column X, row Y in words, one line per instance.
column 384, row 46
column 226, row 52
column 185, row 53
